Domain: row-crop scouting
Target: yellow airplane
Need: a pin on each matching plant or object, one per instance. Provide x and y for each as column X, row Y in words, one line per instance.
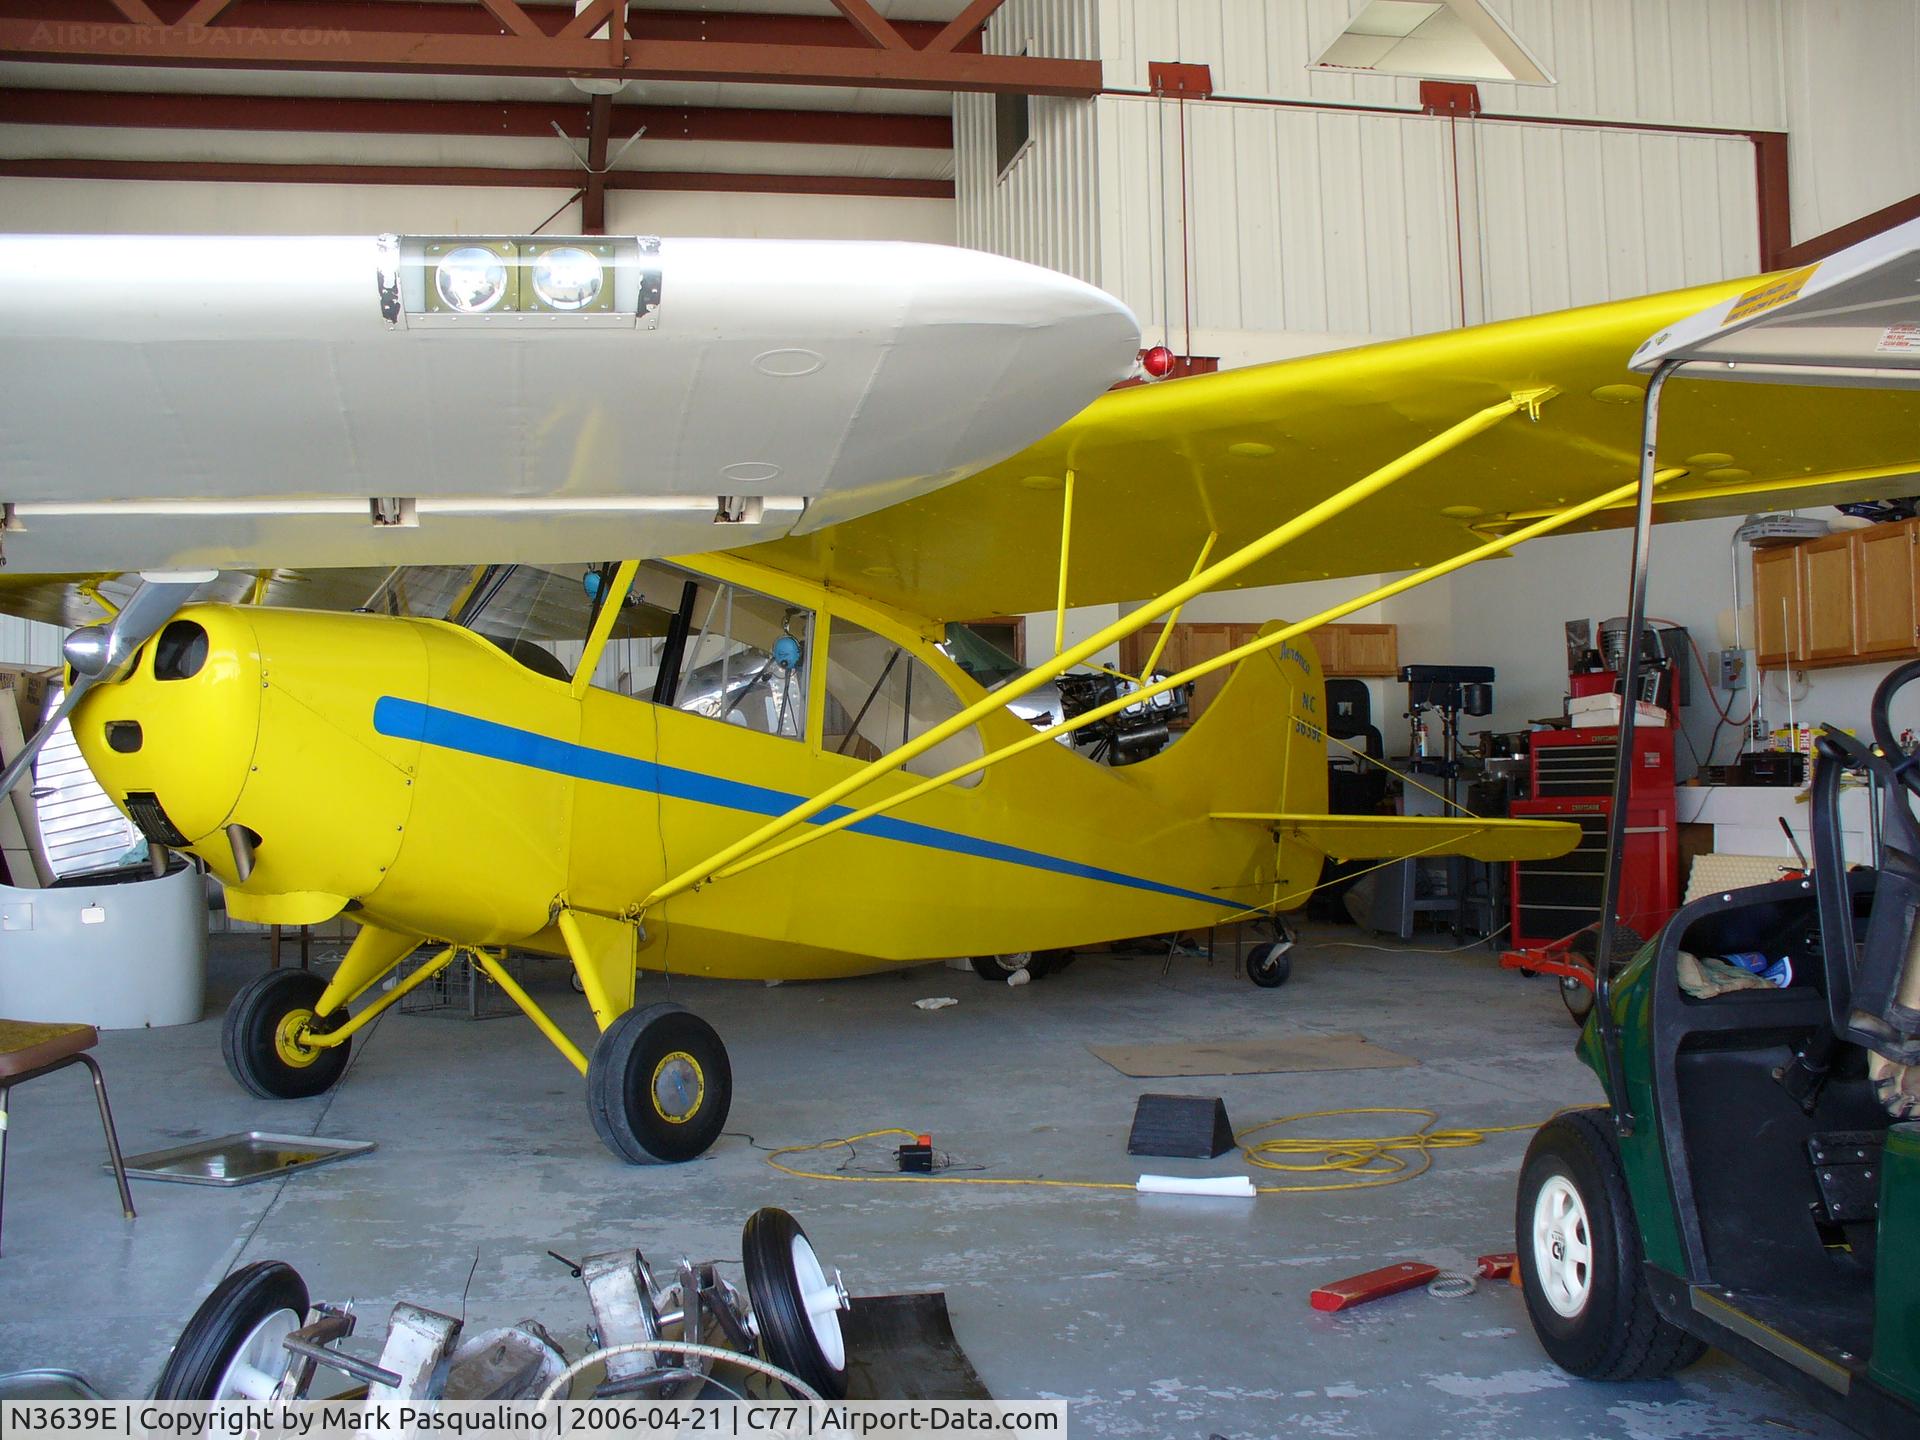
column 762, row 764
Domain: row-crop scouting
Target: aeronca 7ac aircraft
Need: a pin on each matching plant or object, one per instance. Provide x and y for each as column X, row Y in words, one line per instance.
column 693, row 714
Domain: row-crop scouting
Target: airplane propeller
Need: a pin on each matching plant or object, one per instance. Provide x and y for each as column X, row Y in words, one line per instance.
column 103, row 652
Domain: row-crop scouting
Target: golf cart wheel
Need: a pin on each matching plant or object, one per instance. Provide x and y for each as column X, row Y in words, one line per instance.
column 260, row 1037
column 1269, row 964
column 1037, row 963
column 659, row 1085
column 796, row 1303
column 231, row 1349
column 1580, row 1258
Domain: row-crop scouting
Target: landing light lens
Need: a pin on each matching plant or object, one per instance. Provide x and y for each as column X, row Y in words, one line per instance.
column 471, row 279
column 567, row 278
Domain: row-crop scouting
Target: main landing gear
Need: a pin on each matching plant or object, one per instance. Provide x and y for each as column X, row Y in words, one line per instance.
column 659, row 1085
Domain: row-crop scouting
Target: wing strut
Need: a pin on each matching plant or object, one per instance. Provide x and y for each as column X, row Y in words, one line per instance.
column 1205, row 667
column 1308, row 520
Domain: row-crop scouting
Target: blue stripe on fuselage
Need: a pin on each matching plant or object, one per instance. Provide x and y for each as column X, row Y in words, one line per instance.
column 450, row 730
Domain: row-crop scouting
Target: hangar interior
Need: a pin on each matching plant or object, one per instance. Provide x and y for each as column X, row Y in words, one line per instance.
column 945, row 1029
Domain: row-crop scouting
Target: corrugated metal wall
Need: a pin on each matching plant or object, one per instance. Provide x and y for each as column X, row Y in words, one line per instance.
column 28, row 642
column 1655, row 62
column 1571, row 216
column 1344, row 222
column 1042, row 210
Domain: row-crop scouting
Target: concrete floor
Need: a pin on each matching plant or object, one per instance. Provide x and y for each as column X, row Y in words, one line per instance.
column 1154, row 1316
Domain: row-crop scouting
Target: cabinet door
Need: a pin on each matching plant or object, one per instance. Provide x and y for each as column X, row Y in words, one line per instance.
column 1826, row 587
column 1332, row 644
column 1371, row 650
column 1883, row 589
column 1776, row 605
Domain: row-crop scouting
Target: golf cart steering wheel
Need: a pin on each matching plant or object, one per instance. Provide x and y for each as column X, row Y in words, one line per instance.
column 1904, row 768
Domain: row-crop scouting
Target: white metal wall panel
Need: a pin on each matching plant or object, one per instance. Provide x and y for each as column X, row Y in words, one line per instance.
column 1317, row 221
column 1572, row 216
column 1345, row 222
column 1652, row 62
column 1042, row 209
column 28, row 642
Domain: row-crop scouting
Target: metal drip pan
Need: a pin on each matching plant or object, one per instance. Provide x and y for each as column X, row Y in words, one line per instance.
column 243, row 1159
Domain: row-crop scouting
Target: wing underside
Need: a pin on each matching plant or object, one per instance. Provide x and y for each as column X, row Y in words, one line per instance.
column 1158, row 469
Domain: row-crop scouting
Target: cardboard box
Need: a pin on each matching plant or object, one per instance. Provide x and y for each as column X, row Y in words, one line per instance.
column 27, row 687
column 1595, row 711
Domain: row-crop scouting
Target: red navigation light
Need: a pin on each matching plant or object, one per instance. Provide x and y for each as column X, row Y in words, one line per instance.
column 1157, row 362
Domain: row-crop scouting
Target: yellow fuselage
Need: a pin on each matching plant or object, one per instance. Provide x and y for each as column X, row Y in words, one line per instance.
column 413, row 774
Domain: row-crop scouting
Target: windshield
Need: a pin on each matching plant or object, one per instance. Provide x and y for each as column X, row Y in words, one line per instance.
column 974, row 653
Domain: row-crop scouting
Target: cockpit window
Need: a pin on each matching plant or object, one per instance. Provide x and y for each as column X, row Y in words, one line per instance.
column 721, row 651
column 879, row 696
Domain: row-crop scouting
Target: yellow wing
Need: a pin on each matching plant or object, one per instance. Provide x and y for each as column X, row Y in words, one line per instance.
column 1399, row 837
column 1157, row 468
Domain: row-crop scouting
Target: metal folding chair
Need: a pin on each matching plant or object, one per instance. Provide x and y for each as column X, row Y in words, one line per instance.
column 29, row 1050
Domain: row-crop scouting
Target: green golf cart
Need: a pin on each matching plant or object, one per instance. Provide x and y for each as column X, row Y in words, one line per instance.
column 1753, row 1182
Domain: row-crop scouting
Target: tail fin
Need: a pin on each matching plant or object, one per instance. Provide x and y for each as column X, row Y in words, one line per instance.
column 1259, row 745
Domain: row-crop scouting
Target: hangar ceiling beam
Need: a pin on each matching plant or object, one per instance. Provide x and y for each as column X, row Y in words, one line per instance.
column 469, row 39
column 506, row 119
column 558, row 178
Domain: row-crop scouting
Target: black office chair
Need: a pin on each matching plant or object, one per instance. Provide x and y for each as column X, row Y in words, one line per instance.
column 1354, row 787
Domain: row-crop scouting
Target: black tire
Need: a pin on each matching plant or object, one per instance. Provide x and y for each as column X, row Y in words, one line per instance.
column 1606, row 1327
column 647, row 1054
column 1578, row 999
column 239, row 1304
column 779, row 1306
column 249, row 1037
column 1037, row 963
column 1269, row 964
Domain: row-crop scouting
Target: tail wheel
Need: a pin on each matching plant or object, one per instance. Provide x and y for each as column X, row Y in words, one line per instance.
column 1270, row 964
column 796, row 1303
column 1580, row 1259
column 232, row 1347
column 261, row 1038
column 659, row 1085
column 1037, row 963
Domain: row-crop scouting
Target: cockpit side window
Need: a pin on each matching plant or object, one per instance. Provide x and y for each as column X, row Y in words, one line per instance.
column 879, row 696
column 721, row 651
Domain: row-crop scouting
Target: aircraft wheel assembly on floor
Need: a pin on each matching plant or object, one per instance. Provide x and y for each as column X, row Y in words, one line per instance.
column 1580, row 1260
column 1037, row 963
column 261, row 1037
column 659, row 1085
column 232, row 1348
column 796, row 1303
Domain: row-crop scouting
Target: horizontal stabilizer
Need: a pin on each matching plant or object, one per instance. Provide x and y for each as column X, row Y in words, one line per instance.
column 1400, row 837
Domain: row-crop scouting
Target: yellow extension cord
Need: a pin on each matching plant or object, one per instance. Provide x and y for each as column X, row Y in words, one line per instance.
column 1376, row 1159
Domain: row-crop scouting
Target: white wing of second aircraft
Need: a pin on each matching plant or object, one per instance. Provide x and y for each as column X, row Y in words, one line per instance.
column 241, row 402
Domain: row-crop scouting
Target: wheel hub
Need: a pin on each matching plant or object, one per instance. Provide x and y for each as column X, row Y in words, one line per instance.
column 291, row 1036
column 1562, row 1247
column 679, row 1087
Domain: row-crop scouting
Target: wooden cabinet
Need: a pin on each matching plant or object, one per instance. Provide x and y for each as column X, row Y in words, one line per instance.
column 1366, row 650
column 1886, row 610
column 1776, row 605
column 1826, row 597
column 1841, row 599
column 1358, row 650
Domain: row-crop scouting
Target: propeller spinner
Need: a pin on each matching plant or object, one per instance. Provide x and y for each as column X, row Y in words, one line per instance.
column 100, row 653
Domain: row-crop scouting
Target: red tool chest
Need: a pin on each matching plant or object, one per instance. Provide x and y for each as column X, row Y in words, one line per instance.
column 1571, row 773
